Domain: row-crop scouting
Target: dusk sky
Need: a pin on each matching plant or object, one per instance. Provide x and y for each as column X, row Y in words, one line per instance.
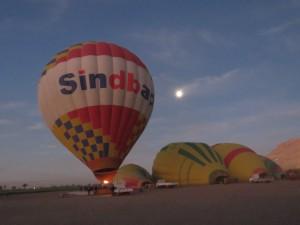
column 237, row 62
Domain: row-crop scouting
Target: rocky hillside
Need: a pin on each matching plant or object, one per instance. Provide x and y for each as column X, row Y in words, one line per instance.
column 287, row 154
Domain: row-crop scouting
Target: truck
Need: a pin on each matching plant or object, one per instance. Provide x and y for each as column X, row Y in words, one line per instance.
column 260, row 178
column 165, row 184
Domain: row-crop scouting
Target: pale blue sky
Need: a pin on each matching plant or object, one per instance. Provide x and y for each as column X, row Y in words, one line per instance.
column 237, row 61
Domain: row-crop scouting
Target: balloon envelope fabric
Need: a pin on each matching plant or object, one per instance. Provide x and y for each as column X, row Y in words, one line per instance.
column 96, row 98
column 132, row 176
column 274, row 169
column 189, row 163
column 241, row 161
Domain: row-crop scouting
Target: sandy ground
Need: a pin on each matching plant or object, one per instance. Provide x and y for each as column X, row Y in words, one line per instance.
column 234, row 204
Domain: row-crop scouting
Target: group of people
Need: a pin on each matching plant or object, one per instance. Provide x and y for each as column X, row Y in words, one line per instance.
column 92, row 189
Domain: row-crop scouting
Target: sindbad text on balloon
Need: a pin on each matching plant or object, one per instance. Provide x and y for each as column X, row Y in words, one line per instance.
column 116, row 81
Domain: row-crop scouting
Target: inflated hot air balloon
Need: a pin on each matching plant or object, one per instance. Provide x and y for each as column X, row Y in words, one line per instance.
column 189, row 163
column 274, row 169
column 241, row 161
column 96, row 98
column 132, row 176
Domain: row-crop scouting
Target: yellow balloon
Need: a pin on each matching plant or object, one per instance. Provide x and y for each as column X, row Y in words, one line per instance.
column 133, row 176
column 241, row 161
column 189, row 163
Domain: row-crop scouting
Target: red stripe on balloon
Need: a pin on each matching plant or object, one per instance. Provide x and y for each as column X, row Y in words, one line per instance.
column 129, row 131
column 74, row 53
column 101, row 48
column 117, row 122
column 72, row 114
column 84, row 115
column 131, row 182
column 123, row 122
column 116, row 114
column 105, row 113
column 234, row 153
column 117, row 51
column 89, row 49
column 126, row 127
column 95, row 116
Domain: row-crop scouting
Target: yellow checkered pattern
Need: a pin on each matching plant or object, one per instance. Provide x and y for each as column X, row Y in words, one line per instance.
column 82, row 140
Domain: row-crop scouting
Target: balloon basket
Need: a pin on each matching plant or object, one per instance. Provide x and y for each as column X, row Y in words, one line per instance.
column 105, row 178
column 104, row 192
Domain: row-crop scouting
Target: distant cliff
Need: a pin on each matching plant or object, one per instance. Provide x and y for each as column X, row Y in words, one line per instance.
column 287, row 154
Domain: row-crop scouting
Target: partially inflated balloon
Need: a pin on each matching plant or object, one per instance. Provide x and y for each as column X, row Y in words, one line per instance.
column 241, row 161
column 132, row 176
column 273, row 168
column 96, row 98
column 189, row 163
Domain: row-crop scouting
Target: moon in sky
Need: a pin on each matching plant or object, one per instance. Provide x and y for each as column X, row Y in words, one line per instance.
column 179, row 93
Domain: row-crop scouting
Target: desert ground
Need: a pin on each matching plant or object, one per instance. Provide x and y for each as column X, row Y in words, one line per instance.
column 232, row 204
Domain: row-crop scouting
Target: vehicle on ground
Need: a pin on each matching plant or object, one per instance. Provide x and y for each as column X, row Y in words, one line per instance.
column 261, row 178
column 120, row 189
column 165, row 184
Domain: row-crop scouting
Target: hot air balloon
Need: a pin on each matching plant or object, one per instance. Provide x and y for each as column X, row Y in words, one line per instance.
column 241, row 161
column 96, row 98
column 188, row 163
column 274, row 169
column 132, row 176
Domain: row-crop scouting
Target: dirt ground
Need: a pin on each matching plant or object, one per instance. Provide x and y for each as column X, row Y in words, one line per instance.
column 277, row 203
